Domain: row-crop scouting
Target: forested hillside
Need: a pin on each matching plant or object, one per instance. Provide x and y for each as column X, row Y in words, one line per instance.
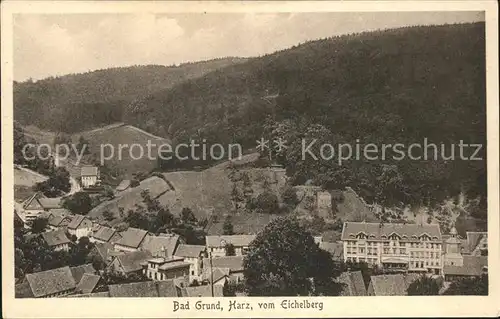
column 394, row 86
column 76, row 102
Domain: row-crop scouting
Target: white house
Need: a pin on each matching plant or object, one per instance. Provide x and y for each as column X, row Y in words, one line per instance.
column 80, row 226
column 192, row 254
column 216, row 245
column 90, row 176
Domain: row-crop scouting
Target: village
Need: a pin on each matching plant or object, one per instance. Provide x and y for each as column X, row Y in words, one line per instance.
column 164, row 265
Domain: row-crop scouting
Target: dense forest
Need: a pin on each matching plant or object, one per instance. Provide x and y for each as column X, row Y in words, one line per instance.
column 76, row 102
column 393, row 86
column 383, row 87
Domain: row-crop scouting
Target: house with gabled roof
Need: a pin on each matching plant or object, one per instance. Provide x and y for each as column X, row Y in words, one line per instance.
column 216, row 245
column 471, row 266
column 166, row 268
column 90, row 176
column 394, row 246
column 56, row 239
column 234, row 264
column 36, row 204
column 193, row 254
column 130, row 262
column 102, row 234
column 162, row 245
column 130, row 239
column 47, row 284
column 80, row 226
column 58, row 218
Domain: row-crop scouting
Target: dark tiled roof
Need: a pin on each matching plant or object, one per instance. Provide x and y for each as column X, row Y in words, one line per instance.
column 189, row 251
column 217, row 274
column 236, row 240
column 88, row 283
column 56, row 237
column 50, row 203
column 51, row 281
column 132, row 261
column 202, row 291
column 174, row 264
column 335, row 249
column 354, row 284
column 388, row 285
column 234, row 263
column 103, row 294
column 104, row 233
column 78, row 271
column 377, row 231
column 76, row 221
column 165, row 288
column 132, row 237
column 104, row 250
column 472, row 266
column 89, row 171
column 160, row 245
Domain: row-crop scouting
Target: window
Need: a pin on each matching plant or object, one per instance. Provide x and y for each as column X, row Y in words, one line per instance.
column 402, row 251
column 156, row 276
column 192, row 272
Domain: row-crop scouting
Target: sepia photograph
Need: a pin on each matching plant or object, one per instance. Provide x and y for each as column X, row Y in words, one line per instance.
column 239, row 162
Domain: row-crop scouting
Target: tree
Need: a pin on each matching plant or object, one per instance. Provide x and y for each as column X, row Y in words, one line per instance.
column 187, row 216
column 39, row 225
column 57, row 184
column 289, row 196
column 284, row 260
column 227, row 227
column 424, row 286
column 469, row 286
column 267, row 203
column 108, row 215
column 79, row 203
column 230, row 251
column 83, row 145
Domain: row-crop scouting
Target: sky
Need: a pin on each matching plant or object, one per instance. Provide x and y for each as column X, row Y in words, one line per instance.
column 59, row 44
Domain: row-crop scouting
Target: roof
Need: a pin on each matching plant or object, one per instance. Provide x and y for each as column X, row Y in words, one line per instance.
column 472, row 266
column 189, row 251
column 131, row 262
column 202, row 291
column 88, row 283
column 132, row 237
column 377, row 231
column 355, row 285
column 89, row 171
column 56, row 237
column 33, row 202
column 51, row 281
column 392, row 285
column 104, row 233
column 234, row 263
column 57, row 220
column 50, row 203
column 335, row 249
column 160, row 245
column 76, row 221
column 164, row 288
column 174, row 265
column 236, row 240
column 78, row 271
column 217, row 274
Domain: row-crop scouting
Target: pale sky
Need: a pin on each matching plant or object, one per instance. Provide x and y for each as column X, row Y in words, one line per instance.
column 52, row 45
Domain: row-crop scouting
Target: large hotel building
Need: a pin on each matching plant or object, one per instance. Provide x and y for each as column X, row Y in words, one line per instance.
column 409, row 247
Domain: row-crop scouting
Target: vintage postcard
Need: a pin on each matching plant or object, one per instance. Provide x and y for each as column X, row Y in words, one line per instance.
column 250, row 159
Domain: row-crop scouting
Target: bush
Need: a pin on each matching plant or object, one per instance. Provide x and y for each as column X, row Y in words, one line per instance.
column 267, row 203
column 134, row 183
